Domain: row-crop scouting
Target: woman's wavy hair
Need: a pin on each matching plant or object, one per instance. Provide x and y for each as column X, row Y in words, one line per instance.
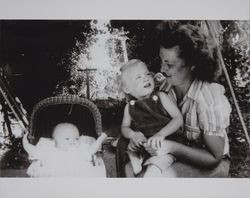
column 196, row 48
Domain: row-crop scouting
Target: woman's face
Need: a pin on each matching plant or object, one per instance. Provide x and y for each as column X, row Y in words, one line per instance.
column 173, row 66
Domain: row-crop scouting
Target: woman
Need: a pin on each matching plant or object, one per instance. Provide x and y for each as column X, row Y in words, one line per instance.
column 189, row 67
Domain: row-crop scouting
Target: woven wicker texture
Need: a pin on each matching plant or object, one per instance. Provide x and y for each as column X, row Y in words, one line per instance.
column 67, row 108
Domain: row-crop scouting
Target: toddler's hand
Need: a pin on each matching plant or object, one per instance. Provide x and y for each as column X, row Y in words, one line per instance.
column 166, row 147
column 132, row 147
column 159, row 77
column 138, row 139
column 156, row 141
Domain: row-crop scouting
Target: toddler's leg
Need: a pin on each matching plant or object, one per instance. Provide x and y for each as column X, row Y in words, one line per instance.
column 157, row 165
column 152, row 171
column 170, row 173
column 129, row 170
column 136, row 162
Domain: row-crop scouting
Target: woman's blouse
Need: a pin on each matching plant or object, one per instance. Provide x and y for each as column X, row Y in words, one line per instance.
column 205, row 110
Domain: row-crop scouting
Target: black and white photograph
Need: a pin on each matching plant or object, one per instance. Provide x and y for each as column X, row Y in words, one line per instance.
column 84, row 76
column 124, row 98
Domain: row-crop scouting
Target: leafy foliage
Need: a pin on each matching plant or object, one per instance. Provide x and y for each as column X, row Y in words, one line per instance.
column 236, row 53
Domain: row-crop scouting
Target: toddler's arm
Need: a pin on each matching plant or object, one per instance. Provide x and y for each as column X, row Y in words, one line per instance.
column 174, row 124
column 137, row 138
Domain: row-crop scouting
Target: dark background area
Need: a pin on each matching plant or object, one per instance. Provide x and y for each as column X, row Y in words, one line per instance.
column 35, row 53
column 32, row 52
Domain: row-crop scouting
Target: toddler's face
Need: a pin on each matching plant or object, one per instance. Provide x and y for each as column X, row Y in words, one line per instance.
column 139, row 81
column 66, row 137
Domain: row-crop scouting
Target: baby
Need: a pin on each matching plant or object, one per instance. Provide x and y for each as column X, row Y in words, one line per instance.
column 66, row 154
column 148, row 119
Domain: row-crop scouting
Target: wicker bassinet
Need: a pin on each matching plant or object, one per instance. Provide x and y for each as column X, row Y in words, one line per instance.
column 67, row 108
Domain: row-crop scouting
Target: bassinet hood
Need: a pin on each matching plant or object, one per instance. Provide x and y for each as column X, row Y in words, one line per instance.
column 67, row 108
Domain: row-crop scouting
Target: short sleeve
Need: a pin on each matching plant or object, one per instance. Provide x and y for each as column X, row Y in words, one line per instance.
column 213, row 110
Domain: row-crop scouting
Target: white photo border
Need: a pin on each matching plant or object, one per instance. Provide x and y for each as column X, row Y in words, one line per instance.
column 126, row 9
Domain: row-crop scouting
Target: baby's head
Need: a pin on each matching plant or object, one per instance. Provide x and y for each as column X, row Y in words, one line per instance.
column 136, row 79
column 66, row 136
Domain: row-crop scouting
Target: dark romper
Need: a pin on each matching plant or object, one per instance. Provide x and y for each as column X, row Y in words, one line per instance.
column 149, row 117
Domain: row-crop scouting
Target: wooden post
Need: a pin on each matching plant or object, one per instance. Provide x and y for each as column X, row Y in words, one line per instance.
column 213, row 33
column 87, row 70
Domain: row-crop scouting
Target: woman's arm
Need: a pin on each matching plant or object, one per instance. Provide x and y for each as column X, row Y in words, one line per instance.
column 213, row 111
column 208, row 157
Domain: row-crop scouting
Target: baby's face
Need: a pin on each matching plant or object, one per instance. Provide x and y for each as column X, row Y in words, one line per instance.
column 139, row 81
column 66, row 137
